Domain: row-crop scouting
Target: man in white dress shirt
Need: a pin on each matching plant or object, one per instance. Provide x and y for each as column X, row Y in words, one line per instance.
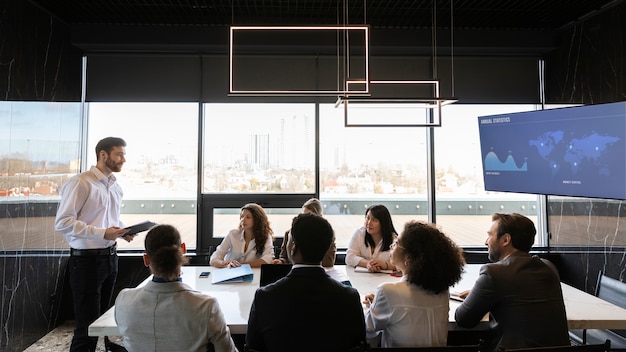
column 89, row 218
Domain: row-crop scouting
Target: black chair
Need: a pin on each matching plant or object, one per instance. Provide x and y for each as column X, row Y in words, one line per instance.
column 612, row 291
column 464, row 348
column 602, row 347
column 362, row 347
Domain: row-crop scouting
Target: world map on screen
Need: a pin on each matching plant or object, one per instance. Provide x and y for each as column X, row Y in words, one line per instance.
column 576, row 151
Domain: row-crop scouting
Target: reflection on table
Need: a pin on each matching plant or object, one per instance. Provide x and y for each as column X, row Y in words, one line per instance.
column 584, row 311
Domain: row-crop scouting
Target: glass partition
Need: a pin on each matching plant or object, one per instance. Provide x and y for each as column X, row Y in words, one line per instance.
column 39, row 150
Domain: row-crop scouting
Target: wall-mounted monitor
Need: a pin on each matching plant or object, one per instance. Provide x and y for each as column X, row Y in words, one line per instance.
column 576, row 151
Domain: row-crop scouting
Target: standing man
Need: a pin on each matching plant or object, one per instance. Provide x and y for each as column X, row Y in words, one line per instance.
column 89, row 218
column 307, row 310
column 521, row 293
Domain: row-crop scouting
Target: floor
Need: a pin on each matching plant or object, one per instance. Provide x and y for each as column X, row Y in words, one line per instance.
column 59, row 339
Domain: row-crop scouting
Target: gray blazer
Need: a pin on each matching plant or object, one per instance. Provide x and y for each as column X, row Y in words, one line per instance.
column 171, row 316
column 522, row 294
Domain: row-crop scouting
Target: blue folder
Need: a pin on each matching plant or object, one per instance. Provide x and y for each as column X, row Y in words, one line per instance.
column 242, row 273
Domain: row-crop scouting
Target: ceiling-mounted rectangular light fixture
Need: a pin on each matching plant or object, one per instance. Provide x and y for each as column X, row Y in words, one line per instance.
column 415, row 103
column 286, row 60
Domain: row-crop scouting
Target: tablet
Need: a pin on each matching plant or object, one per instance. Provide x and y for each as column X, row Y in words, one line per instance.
column 140, row 227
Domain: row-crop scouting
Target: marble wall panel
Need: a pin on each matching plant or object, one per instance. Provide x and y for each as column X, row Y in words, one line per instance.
column 37, row 60
column 589, row 236
column 589, row 64
column 31, row 297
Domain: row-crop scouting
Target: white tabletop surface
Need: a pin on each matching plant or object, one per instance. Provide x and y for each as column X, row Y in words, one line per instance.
column 584, row 311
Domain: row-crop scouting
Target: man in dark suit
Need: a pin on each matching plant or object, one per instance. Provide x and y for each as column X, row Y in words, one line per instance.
column 306, row 310
column 521, row 293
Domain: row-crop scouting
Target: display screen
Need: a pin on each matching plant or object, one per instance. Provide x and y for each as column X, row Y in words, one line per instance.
column 576, row 151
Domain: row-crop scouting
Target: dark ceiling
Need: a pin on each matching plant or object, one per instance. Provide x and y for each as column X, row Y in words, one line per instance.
column 459, row 14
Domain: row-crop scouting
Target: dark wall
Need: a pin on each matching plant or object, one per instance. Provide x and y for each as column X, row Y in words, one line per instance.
column 36, row 296
column 588, row 66
column 37, row 60
column 32, row 294
column 37, row 63
column 202, row 77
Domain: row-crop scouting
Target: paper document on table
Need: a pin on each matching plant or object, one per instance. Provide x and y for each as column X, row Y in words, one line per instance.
column 241, row 273
column 339, row 276
column 362, row 269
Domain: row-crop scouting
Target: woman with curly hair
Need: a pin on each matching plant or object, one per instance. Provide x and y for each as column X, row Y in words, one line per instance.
column 250, row 243
column 413, row 312
column 369, row 245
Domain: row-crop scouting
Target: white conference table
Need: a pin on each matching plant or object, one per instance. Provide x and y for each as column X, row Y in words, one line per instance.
column 584, row 311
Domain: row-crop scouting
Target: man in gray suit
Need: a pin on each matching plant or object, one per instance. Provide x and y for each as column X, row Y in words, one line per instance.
column 521, row 293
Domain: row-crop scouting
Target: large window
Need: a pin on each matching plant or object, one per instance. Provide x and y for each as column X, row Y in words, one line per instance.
column 277, row 155
column 361, row 166
column 160, row 176
column 39, row 150
column 464, row 208
column 259, row 148
column 262, row 153
column 246, row 155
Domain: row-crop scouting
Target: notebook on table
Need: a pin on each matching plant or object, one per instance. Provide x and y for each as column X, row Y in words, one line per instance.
column 273, row 272
column 241, row 273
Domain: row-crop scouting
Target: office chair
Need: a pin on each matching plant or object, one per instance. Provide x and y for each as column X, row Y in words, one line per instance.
column 602, row 347
column 613, row 291
column 463, row 348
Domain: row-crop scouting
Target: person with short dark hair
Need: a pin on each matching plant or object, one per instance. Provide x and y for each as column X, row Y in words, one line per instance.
column 369, row 245
column 521, row 293
column 165, row 314
column 89, row 218
column 313, row 206
column 413, row 312
column 307, row 310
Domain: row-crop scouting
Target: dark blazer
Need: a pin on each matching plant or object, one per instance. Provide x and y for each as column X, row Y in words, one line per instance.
column 306, row 311
column 523, row 295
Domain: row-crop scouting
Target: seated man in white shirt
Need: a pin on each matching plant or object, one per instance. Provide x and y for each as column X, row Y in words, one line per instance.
column 166, row 314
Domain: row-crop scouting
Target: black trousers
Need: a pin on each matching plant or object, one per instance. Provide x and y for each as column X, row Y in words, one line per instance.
column 92, row 279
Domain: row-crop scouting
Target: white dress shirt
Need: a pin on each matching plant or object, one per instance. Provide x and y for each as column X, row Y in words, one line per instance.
column 408, row 316
column 170, row 316
column 232, row 248
column 357, row 249
column 90, row 203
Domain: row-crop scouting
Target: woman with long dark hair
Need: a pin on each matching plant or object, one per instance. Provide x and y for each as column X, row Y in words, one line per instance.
column 250, row 243
column 369, row 245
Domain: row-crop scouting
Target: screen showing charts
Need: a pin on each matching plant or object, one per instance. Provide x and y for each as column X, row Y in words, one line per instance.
column 578, row 151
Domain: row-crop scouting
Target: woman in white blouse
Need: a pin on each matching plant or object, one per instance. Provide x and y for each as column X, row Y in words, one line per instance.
column 369, row 245
column 413, row 312
column 250, row 243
